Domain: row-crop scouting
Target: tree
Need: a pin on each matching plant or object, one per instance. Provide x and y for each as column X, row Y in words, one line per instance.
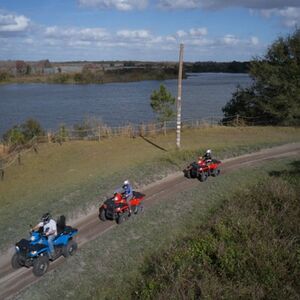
column 274, row 97
column 32, row 128
column 14, row 136
column 162, row 103
column 21, row 67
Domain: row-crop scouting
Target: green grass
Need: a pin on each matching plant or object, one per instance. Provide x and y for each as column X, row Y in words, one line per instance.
column 248, row 249
column 72, row 178
column 108, row 267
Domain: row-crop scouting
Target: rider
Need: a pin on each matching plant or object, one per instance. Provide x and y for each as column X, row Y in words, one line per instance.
column 207, row 156
column 128, row 192
column 49, row 229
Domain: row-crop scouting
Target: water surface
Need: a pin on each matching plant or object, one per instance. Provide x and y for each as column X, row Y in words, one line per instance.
column 203, row 95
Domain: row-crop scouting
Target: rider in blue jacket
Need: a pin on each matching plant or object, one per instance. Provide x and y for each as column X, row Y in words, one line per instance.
column 128, row 192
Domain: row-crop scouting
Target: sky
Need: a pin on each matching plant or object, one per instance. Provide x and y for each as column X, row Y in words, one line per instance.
column 145, row 30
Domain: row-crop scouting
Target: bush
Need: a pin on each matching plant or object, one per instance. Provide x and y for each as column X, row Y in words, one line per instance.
column 4, row 76
column 32, row 128
column 14, row 136
column 19, row 135
column 248, row 249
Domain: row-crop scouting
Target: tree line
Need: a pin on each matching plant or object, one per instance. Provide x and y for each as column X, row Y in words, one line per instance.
column 218, row 67
column 274, row 96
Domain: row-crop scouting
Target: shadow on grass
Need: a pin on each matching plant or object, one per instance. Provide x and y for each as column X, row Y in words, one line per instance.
column 153, row 144
column 293, row 171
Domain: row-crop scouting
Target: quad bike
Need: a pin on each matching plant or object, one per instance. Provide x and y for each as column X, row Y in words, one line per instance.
column 116, row 208
column 35, row 251
column 202, row 169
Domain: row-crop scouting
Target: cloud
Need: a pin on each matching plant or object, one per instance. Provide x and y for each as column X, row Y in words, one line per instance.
column 181, row 33
column 287, row 10
column 290, row 15
column 198, row 31
column 220, row 4
column 85, row 34
column 74, row 43
column 134, row 34
column 123, row 5
column 254, row 40
column 178, row 4
column 230, row 39
column 10, row 23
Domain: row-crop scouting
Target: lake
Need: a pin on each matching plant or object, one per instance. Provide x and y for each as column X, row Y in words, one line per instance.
column 116, row 104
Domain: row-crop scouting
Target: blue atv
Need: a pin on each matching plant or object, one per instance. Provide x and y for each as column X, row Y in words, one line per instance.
column 34, row 252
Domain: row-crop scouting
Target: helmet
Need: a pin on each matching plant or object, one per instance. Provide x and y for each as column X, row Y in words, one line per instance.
column 208, row 151
column 46, row 218
column 126, row 182
column 118, row 197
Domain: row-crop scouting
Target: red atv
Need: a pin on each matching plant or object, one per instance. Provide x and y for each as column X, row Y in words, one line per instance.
column 116, row 207
column 202, row 169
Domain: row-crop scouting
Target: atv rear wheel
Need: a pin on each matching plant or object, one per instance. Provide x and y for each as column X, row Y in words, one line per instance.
column 188, row 174
column 102, row 214
column 70, row 248
column 138, row 209
column 15, row 261
column 40, row 265
column 216, row 172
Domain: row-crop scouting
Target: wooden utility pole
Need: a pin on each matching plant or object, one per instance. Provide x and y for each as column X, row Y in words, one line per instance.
column 178, row 127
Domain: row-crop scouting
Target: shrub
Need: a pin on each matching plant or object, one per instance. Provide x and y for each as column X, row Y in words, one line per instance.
column 248, row 249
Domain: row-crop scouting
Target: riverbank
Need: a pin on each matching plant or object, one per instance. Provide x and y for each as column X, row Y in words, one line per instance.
column 96, row 77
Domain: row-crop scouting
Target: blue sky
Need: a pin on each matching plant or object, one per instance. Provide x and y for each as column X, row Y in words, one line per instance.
column 216, row 30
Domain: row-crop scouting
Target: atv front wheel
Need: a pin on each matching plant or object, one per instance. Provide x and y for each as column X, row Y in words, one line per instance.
column 15, row 261
column 70, row 248
column 102, row 214
column 40, row 265
column 121, row 218
column 202, row 176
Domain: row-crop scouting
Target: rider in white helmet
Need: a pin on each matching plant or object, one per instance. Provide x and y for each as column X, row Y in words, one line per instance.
column 207, row 156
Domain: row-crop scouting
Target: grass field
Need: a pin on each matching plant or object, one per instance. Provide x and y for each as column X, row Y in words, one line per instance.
column 73, row 178
column 110, row 266
column 248, row 249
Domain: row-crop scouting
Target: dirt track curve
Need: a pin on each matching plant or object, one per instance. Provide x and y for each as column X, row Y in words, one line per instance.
column 90, row 227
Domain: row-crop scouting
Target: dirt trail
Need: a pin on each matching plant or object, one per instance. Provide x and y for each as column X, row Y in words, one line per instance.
column 90, row 227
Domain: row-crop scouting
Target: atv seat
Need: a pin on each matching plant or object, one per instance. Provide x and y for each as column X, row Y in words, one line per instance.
column 138, row 194
column 62, row 228
column 61, row 224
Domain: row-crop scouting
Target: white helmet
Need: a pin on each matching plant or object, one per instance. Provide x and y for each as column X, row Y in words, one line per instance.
column 126, row 182
column 208, row 151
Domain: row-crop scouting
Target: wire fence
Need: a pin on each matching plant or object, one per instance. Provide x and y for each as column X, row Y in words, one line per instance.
column 98, row 132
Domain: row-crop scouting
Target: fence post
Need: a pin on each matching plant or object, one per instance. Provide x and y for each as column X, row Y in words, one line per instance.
column 165, row 128
column 49, row 137
column 99, row 133
column 19, row 158
column 237, row 119
column 2, row 169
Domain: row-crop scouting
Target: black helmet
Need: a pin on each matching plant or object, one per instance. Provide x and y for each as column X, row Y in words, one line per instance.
column 46, row 218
